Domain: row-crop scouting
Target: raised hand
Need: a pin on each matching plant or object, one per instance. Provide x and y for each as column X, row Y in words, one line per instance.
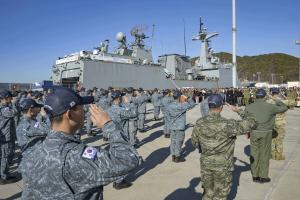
column 98, row 116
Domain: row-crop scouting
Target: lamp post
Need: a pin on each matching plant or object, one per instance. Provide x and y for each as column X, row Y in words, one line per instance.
column 281, row 79
column 298, row 43
column 253, row 77
column 272, row 78
column 258, row 76
column 234, row 76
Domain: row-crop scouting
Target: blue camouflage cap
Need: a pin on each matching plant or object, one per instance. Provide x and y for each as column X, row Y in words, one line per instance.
column 130, row 89
column 63, row 99
column 37, row 94
column 209, row 93
column 116, row 94
column 260, row 93
column 29, row 103
column 215, row 101
column 177, row 94
column 5, row 94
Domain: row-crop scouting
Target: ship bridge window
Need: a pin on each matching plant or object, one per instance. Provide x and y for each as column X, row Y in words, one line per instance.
column 70, row 82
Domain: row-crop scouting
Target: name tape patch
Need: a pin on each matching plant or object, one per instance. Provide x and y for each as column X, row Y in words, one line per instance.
column 89, row 153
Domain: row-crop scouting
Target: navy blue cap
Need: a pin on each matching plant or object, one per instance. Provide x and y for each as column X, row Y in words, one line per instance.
column 116, row 94
column 37, row 94
column 209, row 93
column 275, row 90
column 140, row 89
column 25, row 104
column 260, row 93
column 124, row 90
column 63, row 99
column 177, row 94
column 104, row 92
column 110, row 88
column 166, row 91
column 130, row 89
column 5, row 94
column 215, row 101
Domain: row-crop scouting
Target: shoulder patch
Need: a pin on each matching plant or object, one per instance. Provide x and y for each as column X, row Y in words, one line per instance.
column 89, row 153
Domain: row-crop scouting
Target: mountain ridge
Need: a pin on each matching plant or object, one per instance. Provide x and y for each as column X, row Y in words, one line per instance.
column 284, row 67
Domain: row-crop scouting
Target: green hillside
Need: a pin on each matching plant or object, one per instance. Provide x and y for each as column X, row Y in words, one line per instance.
column 283, row 66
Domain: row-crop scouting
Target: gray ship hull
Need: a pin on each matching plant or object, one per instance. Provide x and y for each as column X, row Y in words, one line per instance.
column 102, row 74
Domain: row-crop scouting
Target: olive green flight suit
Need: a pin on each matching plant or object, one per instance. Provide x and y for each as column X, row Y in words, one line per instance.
column 261, row 138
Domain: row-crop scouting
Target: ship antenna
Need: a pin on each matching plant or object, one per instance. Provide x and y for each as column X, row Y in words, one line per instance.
column 152, row 35
column 201, row 23
column 184, row 40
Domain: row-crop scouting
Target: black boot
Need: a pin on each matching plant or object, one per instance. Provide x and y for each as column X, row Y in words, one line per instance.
column 173, row 158
column 178, row 159
column 265, row 180
column 256, row 179
column 8, row 180
column 122, row 185
column 142, row 130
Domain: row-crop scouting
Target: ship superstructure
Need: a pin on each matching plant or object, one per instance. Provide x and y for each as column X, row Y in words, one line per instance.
column 133, row 65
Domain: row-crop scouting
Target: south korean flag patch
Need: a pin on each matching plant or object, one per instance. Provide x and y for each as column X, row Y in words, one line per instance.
column 89, row 153
column 36, row 125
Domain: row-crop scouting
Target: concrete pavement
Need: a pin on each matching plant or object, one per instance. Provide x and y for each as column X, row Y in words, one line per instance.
column 159, row 178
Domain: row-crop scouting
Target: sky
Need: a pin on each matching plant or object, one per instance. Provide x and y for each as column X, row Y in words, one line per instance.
column 34, row 33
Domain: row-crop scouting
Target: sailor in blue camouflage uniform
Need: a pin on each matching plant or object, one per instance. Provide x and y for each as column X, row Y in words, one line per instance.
column 128, row 102
column 89, row 123
column 23, row 95
column 177, row 112
column 42, row 117
column 29, row 128
column 120, row 116
column 204, row 108
column 120, row 113
column 155, row 99
column 15, row 102
column 104, row 101
column 7, row 135
column 166, row 99
column 132, row 123
column 141, row 99
column 63, row 168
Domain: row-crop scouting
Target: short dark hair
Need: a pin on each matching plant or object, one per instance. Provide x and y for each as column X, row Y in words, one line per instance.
column 59, row 118
column 25, row 111
column 56, row 119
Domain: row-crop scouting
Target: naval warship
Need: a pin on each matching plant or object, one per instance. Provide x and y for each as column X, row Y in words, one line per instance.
column 133, row 66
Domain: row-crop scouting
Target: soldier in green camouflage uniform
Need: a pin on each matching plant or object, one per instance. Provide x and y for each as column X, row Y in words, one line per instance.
column 291, row 96
column 277, row 142
column 246, row 97
column 215, row 136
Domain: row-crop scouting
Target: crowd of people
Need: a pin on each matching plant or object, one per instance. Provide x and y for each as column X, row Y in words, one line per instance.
column 47, row 127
